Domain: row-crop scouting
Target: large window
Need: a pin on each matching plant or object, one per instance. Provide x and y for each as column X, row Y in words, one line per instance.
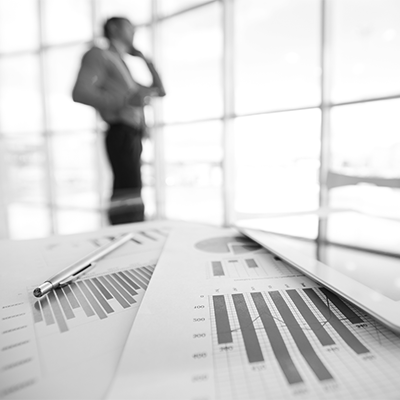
column 273, row 109
column 277, row 161
column 191, row 56
column 54, row 176
column 277, row 54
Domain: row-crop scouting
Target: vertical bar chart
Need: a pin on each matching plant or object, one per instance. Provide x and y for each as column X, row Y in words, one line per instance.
column 217, row 268
column 224, row 332
column 316, row 326
column 251, row 263
column 259, row 265
column 278, row 345
column 251, row 342
column 352, row 341
column 286, row 323
column 303, row 344
column 342, row 307
column 96, row 297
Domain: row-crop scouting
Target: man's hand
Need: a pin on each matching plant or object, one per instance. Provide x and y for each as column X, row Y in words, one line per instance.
column 156, row 88
column 136, row 53
column 136, row 99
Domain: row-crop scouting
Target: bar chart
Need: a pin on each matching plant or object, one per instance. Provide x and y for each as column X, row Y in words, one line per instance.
column 61, row 251
column 262, row 265
column 228, row 244
column 97, row 297
column 140, row 237
column 223, row 335
column 50, row 344
column 293, row 340
column 67, row 320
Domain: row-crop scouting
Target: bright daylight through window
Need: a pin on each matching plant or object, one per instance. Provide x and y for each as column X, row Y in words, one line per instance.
column 273, row 109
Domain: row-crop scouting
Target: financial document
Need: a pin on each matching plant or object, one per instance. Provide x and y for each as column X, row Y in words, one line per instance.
column 67, row 344
column 225, row 319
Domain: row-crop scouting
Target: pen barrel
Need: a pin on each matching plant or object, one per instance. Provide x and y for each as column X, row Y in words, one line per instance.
column 42, row 289
column 70, row 273
column 84, row 262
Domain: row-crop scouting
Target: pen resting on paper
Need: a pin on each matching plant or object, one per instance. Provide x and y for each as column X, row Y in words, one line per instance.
column 73, row 271
column 61, row 279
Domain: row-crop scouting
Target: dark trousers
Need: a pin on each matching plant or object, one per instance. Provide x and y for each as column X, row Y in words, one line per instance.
column 124, row 149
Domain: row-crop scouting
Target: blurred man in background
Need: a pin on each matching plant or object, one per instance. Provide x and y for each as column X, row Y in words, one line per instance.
column 105, row 83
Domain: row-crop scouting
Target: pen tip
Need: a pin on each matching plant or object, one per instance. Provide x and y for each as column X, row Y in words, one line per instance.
column 37, row 292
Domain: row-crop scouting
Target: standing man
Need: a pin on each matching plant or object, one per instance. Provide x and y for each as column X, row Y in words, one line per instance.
column 105, row 83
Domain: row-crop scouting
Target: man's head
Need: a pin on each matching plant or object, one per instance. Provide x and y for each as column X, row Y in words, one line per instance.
column 120, row 29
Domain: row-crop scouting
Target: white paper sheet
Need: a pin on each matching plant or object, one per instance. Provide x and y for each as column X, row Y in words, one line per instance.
column 223, row 319
column 68, row 344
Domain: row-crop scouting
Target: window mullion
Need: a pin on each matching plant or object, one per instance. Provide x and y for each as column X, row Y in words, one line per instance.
column 49, row 164
column 228, row 162
column 326, row 61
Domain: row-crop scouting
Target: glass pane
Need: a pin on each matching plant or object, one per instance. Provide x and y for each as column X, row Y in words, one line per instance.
column 277, row 162
column 67, row 21
column 193, row 143
column 365, row 49
column 25, row 158
column 193, row 155
column 365, row 139
column 20, row 99
column 148, row 150
column 73, row 221
column 167, row 7
column 142, row 40
column 149, row 200
column 148, row 178
column 197, row 204
column 147, row 175
column 138, row 12
column 28, row 221
column 304, row 225
column 365, row 231
column 138, row 68
column 62, row 65
column 277, row 54
column 369, row 199
column 23, row 35
column 75, row 172
column 191, row 46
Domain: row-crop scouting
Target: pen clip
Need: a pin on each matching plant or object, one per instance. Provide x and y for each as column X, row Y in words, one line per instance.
column 82, row 271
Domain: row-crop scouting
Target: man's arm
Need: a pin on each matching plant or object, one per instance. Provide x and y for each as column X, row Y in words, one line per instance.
column 88, row 86
column 157, row 87
column 157, row 83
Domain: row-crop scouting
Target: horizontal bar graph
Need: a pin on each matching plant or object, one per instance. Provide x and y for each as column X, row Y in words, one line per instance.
column 96, row 297
column 301, row 319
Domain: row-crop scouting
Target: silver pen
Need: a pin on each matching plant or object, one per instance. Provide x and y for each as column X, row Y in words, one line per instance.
column 72, row 272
